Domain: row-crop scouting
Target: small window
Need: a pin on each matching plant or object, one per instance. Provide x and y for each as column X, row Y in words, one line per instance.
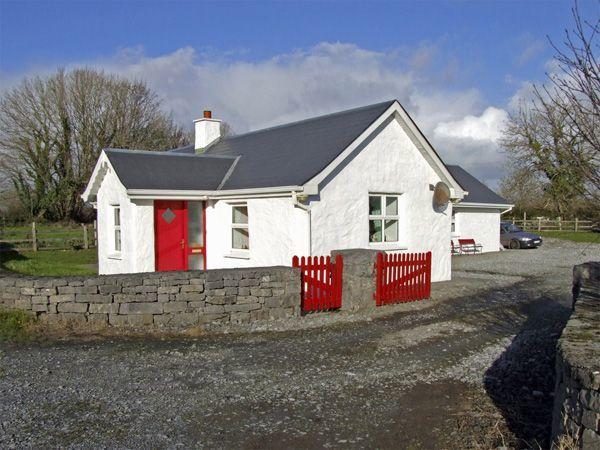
column 453, row 222
column 117, row 228
column 240, row 239
column 383, row 218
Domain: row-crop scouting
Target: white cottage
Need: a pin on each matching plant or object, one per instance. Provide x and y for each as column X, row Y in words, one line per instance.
column 361, row 178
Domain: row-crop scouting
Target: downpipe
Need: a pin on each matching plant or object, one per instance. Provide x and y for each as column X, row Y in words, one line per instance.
column 306, row 208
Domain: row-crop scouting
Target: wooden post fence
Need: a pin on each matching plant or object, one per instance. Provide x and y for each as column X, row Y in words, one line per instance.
column 33, row 237
column 86, row 243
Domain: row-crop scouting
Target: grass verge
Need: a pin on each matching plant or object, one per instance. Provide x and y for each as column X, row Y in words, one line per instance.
column 50, row 262
column 580, row 236
column 15, row 325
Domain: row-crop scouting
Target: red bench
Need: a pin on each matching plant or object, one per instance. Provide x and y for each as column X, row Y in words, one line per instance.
column 454, row 250
column 469, row 246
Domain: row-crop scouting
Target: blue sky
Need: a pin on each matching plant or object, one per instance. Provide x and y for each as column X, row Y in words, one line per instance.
column 458, row 67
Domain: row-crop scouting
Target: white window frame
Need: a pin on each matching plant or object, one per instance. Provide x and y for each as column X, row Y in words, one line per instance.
column 383, row 217
column 453, row 223
column 242, row 252
column 117, row 245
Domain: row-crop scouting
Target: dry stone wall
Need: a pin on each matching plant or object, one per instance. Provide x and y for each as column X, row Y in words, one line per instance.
column 577, row 394
column 165, row 299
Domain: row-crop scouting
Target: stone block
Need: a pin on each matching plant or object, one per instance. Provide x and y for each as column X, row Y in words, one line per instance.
column 135, row 298
column 230, row 283
column 210, row 285
column 43, row 283
column 241, row 300
column 215, row 300
column 163, row 298
column 590, row 419
column 60, row 298
column 273, row 302
column 97, row 319
column 259, row 314
column 93, row 298
column 168, row 289
column 28, row 291
column 174, row 307
column 231, row 291
column 243, row 291
column 68, row 307
column 133, row 321
column 290, row 300
column 39, row 308
column 190, row 297
column 193, row 288
column 141, row 308
column 96, row 281
column 247, row 282
column 46, row 291
column 240, row 317
column 52, row 309
column 77, row 289
column 24, row 282
column 177, row 320
column 196, row 305
column 109, row 289
column 23, row 303
column 39, row 300
column 104, row 308
column 213, row 309
column 210, row 318
column 242, row 308
column 280, row 313
column 217, row 292
column 590, row 440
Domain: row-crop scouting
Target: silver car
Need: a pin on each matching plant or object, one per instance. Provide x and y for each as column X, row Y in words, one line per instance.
column 512, row 236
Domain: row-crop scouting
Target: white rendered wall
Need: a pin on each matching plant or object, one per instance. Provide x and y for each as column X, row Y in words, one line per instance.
column 277, row 231
column 137, row 230
column 389, row 163
column 480, row 224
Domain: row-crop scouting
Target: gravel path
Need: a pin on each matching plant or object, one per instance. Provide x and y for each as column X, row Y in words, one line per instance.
column 473, row 367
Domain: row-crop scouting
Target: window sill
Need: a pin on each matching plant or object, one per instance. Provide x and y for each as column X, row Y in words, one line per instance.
column 238, row 254
column 389, row 246
column 115, row 256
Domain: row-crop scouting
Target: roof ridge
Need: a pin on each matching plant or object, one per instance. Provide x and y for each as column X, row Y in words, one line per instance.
column 297, row 122
column 166, row 153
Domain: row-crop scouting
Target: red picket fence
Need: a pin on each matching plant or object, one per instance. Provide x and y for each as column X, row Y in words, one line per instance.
column 402, row 277
column 321, row 282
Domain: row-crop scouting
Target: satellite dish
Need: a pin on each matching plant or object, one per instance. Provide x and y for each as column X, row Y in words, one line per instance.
column 441, row 196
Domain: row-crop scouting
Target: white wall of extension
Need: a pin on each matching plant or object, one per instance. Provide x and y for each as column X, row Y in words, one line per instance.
column 137, row 230
column 277, row 232
column 481, row 224
column 389, row 163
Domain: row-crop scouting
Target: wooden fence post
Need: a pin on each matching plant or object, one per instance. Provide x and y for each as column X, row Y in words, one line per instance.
column 576, row 220
column 539, row 223
column 95, row 243
column 86, row 243
column 559, row 223
column 33, row 237
column 524, row 220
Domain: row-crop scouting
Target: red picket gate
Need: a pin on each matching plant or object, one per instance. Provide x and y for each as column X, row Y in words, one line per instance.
column 402, row 277
column 321, row 282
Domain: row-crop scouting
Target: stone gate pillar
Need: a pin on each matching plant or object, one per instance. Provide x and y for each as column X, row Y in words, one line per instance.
column 358, row 278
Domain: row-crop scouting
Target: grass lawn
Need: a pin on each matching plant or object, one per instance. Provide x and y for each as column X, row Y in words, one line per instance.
column 50, row 262
column 580, row 236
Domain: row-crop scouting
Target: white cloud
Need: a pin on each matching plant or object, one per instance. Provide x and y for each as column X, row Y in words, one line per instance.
column 325, row 78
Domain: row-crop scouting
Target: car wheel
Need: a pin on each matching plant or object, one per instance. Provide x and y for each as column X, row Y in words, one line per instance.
column 514, row 244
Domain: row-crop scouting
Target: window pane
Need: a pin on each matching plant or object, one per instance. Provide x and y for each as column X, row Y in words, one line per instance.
column 391, row 231
column 195, row 231
column 374, row 205
column 391, row 205
column 240, row 214
column 117, row 216
column 117, row 240
column 374, row 230
column 196, row 261
column 240, row 239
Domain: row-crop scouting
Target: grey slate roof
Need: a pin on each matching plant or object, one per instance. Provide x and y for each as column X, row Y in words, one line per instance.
column 478, row 192
column 138, row 169
column 292, row 154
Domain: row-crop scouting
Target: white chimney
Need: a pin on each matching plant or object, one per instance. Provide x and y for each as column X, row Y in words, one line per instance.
column 207, row 131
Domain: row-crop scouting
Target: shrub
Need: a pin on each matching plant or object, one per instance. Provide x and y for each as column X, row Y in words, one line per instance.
column 15, row 325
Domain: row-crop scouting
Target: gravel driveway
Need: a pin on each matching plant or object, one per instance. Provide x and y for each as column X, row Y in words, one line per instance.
column 472, row 367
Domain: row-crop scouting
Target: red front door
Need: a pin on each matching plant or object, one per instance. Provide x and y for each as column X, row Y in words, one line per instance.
column 180, row 235
column 170, row 221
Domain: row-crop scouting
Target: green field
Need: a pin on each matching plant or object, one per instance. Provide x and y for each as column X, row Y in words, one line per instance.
column 580, row 236
column 50, row 262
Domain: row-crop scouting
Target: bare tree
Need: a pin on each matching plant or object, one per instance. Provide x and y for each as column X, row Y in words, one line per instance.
column 53, row 129
column 575, row 90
